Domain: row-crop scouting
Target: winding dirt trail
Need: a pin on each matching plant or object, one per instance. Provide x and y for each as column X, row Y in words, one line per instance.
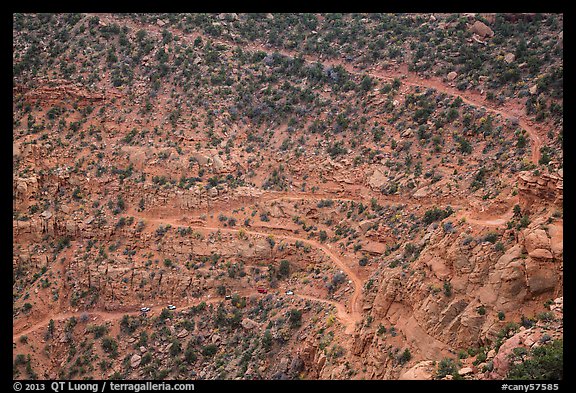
column 353, row 315
column 105, row 315
column 354, row 300
column 349, row 316
column 470, row 97
column 497, row 221
column 347, row 319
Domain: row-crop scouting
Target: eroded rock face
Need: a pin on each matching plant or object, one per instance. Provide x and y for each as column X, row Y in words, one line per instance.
column 478, row 277
column 527, row 339
column 546, row 188
column 536, row 239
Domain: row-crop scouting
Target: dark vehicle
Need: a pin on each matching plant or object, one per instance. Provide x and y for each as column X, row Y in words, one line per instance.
column 262, row 290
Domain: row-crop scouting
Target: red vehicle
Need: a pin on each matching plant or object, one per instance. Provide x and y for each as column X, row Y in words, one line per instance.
column 262, row 290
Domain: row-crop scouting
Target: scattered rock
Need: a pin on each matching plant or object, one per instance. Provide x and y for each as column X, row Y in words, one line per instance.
column 509, row 57
column 481, row 29
column 248, row 324
column 465, row 371
column 135, row 360
column 365, row 225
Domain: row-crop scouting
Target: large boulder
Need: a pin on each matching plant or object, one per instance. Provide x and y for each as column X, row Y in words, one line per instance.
column 378, row 178
column 540, row 277
column 481, row 29
column 420, row 371
column 217, row 163
column 537, row 239
column 541, row 254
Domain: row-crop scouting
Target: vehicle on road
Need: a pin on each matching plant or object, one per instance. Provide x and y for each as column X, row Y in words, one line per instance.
column 228, row 297
column 262, row 290
column 145, row 309
column 171, row 307
column 289, row 292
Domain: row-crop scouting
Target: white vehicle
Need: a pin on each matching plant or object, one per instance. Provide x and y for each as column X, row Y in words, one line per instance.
column 171, row 307
column 289, row 292
column 145, row 309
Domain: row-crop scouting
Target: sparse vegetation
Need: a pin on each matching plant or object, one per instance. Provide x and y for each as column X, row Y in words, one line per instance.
column 276, row 178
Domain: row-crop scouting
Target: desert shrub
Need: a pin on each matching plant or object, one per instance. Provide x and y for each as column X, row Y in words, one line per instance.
column 209, row 350
column 446, row 367
column 267, row 340
column 129, row 324
column 97, row 330
column 546, row 362
column 405, row 356
column 110, row 346
column 284, row 269
column 491, row 237
column 190, row 355
column 295, row 317
column 447, row 289
column 436, row 214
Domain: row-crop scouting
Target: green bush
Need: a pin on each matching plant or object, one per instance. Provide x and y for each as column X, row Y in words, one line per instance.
column 446, row 367
column 545, row 363
column 405, row 356
column 284, row 269
column 110, row 346
column 447, row 289
column 491, row 237
column 436, row 214
column 209, row 350
column 295, row 317
column 190, row 354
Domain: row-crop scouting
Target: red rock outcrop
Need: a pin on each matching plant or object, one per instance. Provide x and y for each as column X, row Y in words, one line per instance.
column 546, row 188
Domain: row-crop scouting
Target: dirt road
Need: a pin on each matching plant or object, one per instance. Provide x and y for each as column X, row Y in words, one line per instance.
column 470, row 97
column 350, row 315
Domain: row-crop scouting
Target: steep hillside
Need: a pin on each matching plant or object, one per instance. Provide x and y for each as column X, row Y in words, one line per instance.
column 319, row 196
